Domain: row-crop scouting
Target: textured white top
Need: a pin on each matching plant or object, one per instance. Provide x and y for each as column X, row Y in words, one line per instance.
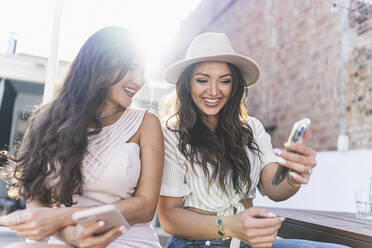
column 111, row 165
column 180, row 180
column 111, row 169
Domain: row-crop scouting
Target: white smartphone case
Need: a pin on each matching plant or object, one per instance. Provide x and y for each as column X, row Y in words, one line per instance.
column 107, row 213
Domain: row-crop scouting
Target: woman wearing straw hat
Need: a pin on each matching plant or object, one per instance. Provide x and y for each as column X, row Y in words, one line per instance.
column 216, row 155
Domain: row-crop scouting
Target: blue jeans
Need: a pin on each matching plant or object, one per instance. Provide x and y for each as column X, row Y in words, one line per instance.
column 178, row 242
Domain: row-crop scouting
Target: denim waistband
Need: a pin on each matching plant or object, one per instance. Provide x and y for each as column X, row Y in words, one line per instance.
column 179, row 242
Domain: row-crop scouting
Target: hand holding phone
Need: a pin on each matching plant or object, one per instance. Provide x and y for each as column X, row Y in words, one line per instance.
column 85, row 237
column 296, row 136
column 109, row 214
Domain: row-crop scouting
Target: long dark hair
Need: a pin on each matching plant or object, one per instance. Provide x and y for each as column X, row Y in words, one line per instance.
column 223, row 149
column 54, row 144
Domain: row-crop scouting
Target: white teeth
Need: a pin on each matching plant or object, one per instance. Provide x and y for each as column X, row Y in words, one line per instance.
column 211, row 100
column 130, row 90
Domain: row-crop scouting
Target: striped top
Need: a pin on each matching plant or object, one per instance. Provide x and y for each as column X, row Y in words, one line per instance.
column 180, row 180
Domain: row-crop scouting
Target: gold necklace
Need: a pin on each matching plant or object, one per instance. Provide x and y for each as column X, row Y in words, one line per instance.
column 111, row 114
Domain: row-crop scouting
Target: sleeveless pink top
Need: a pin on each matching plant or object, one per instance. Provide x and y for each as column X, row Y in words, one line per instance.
column 111, row 169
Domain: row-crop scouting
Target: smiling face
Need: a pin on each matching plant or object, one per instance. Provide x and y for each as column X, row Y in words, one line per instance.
column 211, row 87
column 122, row 93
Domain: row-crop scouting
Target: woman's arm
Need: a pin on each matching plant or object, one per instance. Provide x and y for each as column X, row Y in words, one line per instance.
column 300, row 159
column 84, row 238
column 38, row 221
column 244, row 226
column 54, row 221
column 59, row 217
column 182, row 222
column 141, row 207
column 279, row 192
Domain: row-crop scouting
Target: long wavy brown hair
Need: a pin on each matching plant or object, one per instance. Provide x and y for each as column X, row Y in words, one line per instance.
column 54, row 144
column 225, row 148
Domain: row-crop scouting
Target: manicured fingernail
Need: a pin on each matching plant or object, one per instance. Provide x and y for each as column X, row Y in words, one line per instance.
column 282, row 218
column 271, row 214
column 281, row 160
column 101, row 223
column 122, row 229
column 286, row 145
column 278, row 151
column 293, row 174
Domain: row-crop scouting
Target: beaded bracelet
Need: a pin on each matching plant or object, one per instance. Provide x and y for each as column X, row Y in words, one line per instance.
column 220, row 231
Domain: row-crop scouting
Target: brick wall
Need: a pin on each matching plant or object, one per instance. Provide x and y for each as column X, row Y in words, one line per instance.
column 303, row 49
column 358, row 77
column 358, row 111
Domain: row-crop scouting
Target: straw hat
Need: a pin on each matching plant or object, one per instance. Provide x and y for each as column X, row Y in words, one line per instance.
column 213, row 47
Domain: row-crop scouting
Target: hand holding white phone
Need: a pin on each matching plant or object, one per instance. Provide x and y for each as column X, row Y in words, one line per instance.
column 109, row 214
column 296, row 136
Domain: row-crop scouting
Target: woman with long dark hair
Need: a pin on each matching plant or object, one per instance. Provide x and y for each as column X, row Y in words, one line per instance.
column 216, row 156
column 88, row 147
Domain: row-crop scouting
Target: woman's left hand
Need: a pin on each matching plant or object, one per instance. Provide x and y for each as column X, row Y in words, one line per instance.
column 300, row 159
column 84, row 236
column 34, row 223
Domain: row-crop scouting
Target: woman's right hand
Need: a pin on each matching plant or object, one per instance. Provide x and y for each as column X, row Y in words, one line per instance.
column 84, row 236
column 254, row 226
column 35, row 223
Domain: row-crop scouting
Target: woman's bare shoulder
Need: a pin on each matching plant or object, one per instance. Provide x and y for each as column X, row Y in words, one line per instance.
column 151, row 123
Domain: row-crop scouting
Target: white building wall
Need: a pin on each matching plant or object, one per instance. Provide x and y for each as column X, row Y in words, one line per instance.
column 332, row 184
column 24, row 104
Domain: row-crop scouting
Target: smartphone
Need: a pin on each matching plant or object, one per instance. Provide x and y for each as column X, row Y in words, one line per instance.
column 298, row 130
column 107, row 213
